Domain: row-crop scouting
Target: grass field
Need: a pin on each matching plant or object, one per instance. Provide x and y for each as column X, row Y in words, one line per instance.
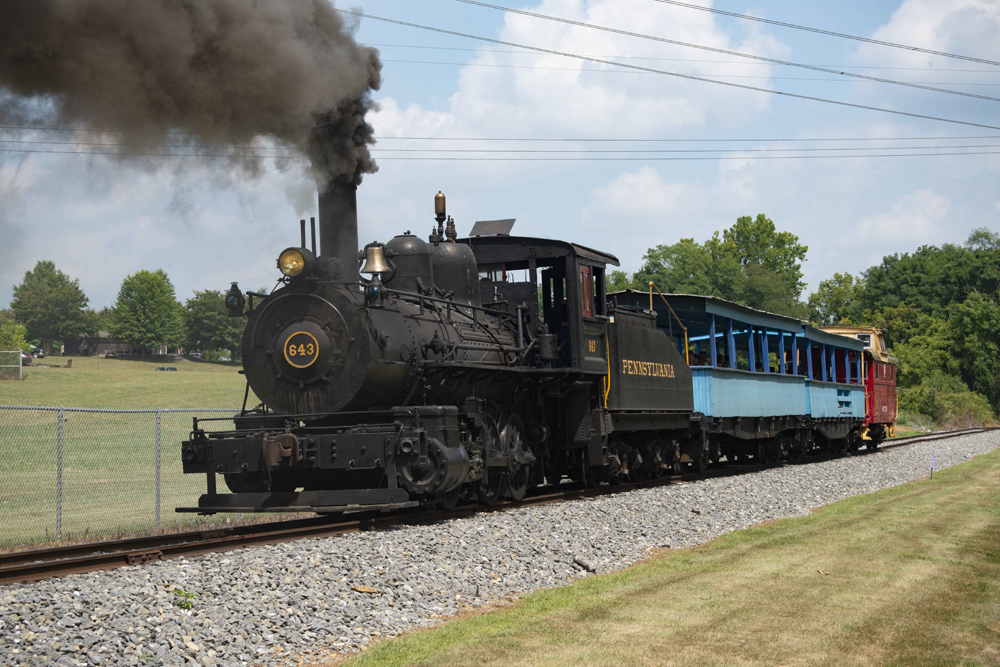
column 108, row 476
column 909, row 576
column 95, row 382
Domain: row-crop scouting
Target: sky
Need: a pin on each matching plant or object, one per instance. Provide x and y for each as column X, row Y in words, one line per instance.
column 101, row 219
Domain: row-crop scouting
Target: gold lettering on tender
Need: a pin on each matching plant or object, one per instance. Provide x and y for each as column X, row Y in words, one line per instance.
column 647, row 368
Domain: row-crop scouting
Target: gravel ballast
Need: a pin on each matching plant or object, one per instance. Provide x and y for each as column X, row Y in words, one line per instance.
column 277, row 604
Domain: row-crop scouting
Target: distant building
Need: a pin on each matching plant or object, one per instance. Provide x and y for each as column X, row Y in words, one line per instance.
column 95, row 346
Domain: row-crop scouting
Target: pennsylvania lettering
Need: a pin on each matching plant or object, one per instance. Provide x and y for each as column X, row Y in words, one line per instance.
column 647, row 368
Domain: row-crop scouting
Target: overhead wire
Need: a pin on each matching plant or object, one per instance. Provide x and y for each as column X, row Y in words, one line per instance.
column 617, row 71
column 460, row 158
column 713, row 49
column 519, row 150
column 686, row 60
column 831, row 33
column 689, row 77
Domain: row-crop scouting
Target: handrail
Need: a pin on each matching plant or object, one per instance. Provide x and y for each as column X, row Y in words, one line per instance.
column 679, row 323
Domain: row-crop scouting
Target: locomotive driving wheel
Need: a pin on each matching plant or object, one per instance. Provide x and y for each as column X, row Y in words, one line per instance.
column 514, row 440
column 618, row 460
column 493, row 485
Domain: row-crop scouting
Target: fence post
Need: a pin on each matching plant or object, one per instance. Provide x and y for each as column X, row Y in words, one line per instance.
column 59, row 459
column 158, row 467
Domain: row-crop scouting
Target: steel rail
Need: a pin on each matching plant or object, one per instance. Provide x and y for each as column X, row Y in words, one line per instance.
column 40, row 564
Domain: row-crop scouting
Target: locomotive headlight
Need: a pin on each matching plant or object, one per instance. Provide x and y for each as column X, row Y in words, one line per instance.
column 291, row 262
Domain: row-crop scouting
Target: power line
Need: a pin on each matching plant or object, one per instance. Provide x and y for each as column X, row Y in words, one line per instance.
column 676, row 150
column 771, row 140
column 685, row 60
column 674, row 74
column 493, row 139
column 677, row 159
column 829, row 32
column 133, row 154
column 525, row 159
column 815, row 68
column 615, row 71
column 94, row 143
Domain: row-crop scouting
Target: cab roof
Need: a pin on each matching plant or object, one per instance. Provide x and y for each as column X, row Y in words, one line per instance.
column 514, row 249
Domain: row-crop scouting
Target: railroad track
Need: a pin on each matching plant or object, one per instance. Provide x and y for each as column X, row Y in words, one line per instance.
column 39, row 564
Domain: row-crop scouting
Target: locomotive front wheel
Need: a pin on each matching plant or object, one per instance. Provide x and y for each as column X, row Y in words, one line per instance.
column 491, row 488
column 247, row 482
column 449, row 500
column 518, row 481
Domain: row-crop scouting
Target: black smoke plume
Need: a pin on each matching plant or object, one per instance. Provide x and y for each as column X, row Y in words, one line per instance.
column 225, row 75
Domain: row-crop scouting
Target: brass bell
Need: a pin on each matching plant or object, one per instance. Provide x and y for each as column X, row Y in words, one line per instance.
column 439, row 211
column 375, row 260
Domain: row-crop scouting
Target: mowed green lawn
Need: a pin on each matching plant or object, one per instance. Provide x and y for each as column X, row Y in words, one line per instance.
column 109, row 460
column 909, row 576
column 95, row 382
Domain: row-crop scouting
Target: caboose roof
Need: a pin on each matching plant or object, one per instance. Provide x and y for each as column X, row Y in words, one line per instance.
column 512, row 250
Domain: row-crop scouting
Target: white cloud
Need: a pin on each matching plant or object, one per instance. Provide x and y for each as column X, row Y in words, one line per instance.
column 916, row 219
column 640, row 194
column 968, row 27
column 539, row 94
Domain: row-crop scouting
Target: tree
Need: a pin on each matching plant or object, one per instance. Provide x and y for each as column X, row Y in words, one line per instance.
column 49, row 304
column 12, row 334
column 95, row 321
column 208, row 325
column 974, row 328
column 930, row 279
column 616, row 281
column 835, row 299
column 756, row 242
column 146, row 313
column 983, row 239
column 763, row 289
column 687, row 267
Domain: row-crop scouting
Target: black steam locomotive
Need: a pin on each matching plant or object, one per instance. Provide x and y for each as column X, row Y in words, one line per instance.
column 473, row 368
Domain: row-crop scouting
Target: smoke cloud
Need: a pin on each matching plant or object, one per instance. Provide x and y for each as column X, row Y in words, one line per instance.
column 229, row 76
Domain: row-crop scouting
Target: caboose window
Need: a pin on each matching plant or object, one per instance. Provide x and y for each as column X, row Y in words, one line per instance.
column 587, row 291
column 866, row 339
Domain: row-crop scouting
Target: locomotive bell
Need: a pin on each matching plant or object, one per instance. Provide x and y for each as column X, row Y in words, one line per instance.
column 439, row 210
column 375, row 260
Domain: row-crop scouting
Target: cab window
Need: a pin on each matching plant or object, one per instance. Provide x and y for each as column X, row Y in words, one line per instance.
column 587, row 291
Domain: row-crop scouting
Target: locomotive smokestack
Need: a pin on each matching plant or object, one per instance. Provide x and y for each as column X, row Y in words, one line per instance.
column 338, row 225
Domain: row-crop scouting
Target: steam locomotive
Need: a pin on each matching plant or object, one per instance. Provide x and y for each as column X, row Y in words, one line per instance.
column 475, row 369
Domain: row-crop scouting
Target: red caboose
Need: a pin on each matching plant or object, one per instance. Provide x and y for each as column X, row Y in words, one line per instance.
column 880, row 382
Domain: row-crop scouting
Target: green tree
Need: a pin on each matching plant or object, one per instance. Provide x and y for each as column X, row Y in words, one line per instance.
column 12, row 334
column 95, row 321
column 208, row 325
column 974, row 328
column 757, row 242
column 146, row 313
column 49, row 304
column 931, row 279
column 983, row 239
column 926, row 354
column 616, row 281
column 765, row 290
column 687, row 267
column 835, row 300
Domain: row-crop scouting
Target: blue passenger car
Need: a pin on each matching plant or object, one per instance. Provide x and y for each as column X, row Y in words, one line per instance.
column 758, row 375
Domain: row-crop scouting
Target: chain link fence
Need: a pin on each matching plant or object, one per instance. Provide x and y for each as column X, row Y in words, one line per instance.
column 81, row 473
column 10, row 365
